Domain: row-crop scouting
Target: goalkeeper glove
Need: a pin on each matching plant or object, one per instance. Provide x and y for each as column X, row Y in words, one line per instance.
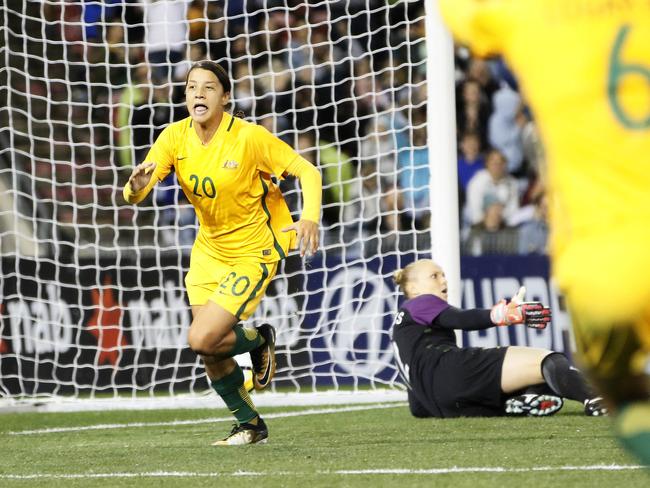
column 532, row 314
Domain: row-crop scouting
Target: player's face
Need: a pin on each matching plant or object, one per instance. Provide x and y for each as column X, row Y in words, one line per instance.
column 428, row 279
column 204, row 96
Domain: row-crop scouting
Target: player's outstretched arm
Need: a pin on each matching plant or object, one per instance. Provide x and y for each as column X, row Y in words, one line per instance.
column 140, row 182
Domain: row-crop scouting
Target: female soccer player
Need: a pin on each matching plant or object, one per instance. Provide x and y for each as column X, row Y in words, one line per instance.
column 224, row 166
column 447, row 381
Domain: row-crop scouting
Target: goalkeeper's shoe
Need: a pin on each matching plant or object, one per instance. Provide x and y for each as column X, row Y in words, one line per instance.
column 263, row 358
column 532, row 405
column 595, row 407
column 244, row 434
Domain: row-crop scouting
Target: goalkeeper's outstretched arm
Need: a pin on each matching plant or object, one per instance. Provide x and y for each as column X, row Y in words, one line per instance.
column 140, row 183
column 531, row 314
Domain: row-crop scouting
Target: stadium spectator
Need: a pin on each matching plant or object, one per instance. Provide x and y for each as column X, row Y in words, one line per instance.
column 470, row 160
column 505, row 128
column 472, row 110
column 368, row 220
column 197, row 20
column 339, row 190
column 95, row 16
column 118, row 54
column 413, row 167
column 342, row 40
column 243, row 95
column 274, row 95
column 246, row 229
column 491, row 235
column 275, row 34
column 533, row 157
column 299, row 50
column 445, row 380
column 238, row 50
column 378, row 146
column 533, row 232
column 165, row 24
column 195, row 52
column 131, row 97
column 371, row 105
column 380, row 204
column 176, row 221
column 490, row 186
column 217, row 40
column 149, row 117
column 479, row 70
column 594, row 135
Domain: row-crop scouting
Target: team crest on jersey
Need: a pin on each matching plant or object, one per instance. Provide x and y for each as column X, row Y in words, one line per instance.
column 230, row 164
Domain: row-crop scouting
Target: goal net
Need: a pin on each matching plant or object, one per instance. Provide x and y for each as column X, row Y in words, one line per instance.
column 92, row 302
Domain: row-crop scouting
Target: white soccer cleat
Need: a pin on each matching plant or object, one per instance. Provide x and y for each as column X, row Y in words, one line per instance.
column 595, row 407
column 532, row 405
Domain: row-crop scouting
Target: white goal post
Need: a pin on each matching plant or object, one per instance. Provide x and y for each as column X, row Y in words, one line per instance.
column 92, row 302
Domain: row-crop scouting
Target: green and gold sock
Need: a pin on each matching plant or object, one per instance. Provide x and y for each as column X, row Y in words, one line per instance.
column 231, row 389
column 246, row 340
column 633, row 430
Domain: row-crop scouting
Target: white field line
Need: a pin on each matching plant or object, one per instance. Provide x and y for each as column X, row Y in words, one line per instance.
column 433, row 471
column 299, row 413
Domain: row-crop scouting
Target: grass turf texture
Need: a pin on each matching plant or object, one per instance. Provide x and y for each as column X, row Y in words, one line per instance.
column 331, row 449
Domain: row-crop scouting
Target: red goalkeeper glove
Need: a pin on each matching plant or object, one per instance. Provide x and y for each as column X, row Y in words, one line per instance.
column 532, row 314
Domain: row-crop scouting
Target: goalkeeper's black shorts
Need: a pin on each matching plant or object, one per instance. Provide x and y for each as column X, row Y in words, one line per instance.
column 461, row 382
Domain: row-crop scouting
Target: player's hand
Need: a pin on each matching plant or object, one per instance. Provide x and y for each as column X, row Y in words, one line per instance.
column 307, row 236
column 536, row 315
column 140, row 176
column 508, row 313
column 532, row 314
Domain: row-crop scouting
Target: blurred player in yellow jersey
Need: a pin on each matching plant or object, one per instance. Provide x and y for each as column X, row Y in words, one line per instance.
column 584, row 68
column 224, row 166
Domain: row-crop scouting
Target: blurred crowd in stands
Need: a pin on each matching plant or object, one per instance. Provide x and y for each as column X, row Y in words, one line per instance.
column 343, row 82
column 500, row 162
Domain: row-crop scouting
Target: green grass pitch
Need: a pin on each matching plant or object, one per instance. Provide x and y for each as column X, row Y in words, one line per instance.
column 312, row 447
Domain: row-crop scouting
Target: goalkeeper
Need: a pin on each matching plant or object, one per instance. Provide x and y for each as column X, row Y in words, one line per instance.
column 447, row 381
column 224, row 166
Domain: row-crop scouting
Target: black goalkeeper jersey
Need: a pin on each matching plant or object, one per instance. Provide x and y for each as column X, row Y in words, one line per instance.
column 413, row 327
column 424, row 326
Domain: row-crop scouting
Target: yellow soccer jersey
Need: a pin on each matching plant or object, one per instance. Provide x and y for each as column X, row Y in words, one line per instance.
column 584, row 68
column 228, row 181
